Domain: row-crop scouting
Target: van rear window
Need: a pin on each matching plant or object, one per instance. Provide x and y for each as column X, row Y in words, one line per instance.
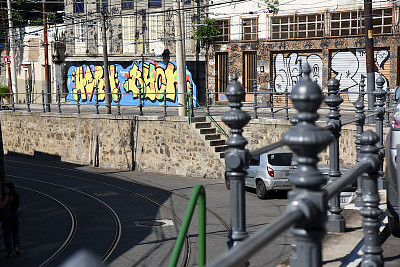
column 280, row 159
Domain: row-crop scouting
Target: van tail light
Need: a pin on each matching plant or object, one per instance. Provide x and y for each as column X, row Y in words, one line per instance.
column 270, row 171
column 395, row 159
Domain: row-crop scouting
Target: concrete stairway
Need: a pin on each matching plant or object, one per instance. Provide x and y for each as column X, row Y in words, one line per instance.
column 211, row 134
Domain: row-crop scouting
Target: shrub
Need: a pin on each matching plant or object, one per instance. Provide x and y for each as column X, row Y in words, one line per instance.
column 4, row 92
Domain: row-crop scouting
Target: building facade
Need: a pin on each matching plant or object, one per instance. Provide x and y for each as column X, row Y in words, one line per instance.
column 140, row 39
column 270, row 48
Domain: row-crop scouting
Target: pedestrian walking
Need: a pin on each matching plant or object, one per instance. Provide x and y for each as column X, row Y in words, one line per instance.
column 10, row 220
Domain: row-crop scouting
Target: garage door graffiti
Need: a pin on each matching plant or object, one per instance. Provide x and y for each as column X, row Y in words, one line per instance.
column 154, row 80
column 287, row 70
column 348, row 66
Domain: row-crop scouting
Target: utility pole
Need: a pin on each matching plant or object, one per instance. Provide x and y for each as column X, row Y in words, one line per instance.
column 7, row 50
column 12, row 52
column 198, row 46
column 181, row 68
column 105, row 58
column 369, row 54
column 46, row 59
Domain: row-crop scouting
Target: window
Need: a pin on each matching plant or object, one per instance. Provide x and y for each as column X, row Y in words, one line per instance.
column 223, row 27
column 98, row 5
column 347, row 23
column 155, row 3
column 128, row 34
column 79, row 6
column 311, row 25
column 352, row 22
column 255, row 161
column 282, row 27
column 382, row 20
column 127, row 4
column 80, row 45
column 297, row 26
column 249, row 29
column 280, row 159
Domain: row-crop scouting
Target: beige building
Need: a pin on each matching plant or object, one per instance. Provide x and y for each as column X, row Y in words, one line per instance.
column 30, row 63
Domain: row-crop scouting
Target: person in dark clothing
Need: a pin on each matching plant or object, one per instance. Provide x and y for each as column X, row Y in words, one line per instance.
column 11, row 202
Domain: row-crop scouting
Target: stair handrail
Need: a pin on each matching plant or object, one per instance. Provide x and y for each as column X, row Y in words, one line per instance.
column 211, row 118
column 199, row 194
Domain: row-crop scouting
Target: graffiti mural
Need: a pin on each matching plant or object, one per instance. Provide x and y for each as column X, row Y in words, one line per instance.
column 149, row 80
column 348, row 66
column 287, row 70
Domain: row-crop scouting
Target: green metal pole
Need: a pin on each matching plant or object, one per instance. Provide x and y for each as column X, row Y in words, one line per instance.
column 197, row 190
column 202, row 227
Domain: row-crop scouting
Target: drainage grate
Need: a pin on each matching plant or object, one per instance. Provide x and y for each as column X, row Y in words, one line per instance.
column 151, row 223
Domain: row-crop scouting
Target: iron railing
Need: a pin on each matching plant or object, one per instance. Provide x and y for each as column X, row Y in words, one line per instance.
column 198, row 194
column 307, row 213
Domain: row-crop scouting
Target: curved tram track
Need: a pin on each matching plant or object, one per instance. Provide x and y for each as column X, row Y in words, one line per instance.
column 186, row 256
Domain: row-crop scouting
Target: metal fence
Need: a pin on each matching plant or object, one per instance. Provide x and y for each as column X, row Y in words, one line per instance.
column 313, row 205
column 266, row 103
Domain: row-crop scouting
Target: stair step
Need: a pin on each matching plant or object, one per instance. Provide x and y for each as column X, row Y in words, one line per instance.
column 198, row 119
column 217, row 142
column 207, row 131
column 220, row 148
column 200, row 125
column 212, row 136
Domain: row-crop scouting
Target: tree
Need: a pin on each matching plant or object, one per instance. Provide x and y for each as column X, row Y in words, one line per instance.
column 207, row 31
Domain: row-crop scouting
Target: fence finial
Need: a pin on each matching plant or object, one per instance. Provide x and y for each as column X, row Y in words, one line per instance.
column 306, row 140
column 336, row 221
column 236, row 160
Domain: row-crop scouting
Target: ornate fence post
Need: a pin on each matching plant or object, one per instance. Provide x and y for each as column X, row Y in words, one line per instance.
column 359, row 130
column 119, row 95
column 165, row 101
column 97, row 100
column 140, row 102
column 388, row 93
column 12, row 100
column 370, row 211
column 379, row 105
column 336, row 221
column 43, row 103
column 191, row 101
column 27, row 98
column 255, row 107
column 79, row 103
column 306, row 140
column 59, row 98
column 286, row 104
column 236, row 160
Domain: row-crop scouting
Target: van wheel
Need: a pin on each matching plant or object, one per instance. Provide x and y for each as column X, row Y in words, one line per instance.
column 261, row 190
column 394, row 226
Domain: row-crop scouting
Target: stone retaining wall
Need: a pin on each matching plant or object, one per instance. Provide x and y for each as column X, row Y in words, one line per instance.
column 151, row 144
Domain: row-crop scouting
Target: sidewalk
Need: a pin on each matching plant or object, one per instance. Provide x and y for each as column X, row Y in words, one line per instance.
column 345, row 249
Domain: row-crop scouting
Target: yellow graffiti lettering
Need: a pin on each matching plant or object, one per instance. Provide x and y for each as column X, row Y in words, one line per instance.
column 79, row 83
column 149, row 76
column 113, row 75
column 161, row 83
column 134, row 81
column 171, row 78
column 99, row 81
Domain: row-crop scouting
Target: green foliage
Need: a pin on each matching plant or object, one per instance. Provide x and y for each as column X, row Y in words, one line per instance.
column 4, row 91
column 27, row 12
column 207, row 31
column 273, row 6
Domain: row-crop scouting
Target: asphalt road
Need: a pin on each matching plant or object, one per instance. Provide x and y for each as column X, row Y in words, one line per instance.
column 126, row 218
